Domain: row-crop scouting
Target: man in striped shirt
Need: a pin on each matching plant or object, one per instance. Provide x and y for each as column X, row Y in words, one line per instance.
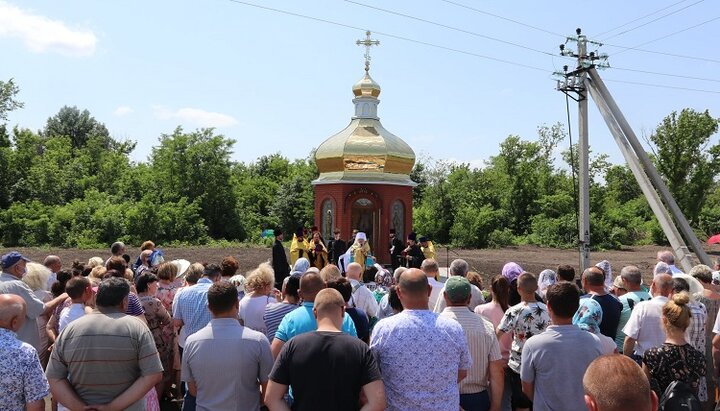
column 275, row 312
column 487, row 363
column 105, row 359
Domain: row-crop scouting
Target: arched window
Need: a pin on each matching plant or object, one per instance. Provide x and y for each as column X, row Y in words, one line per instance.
column 397, row 219
column 327, row 219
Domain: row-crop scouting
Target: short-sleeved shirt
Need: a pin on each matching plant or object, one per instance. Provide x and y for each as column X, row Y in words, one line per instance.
column 302, row 321
column 274, row 313
column 325, row 370
column 70, row 314
column 102, row 354
column 9, row 284
column 191, row 306
column 420, row 354
column 239, row 354
column 670, row 362
column 523, row 320
column 483, row 345
column 695, row 333
column 21, row 376
column 561, row 353
column 611, row 308
column 628, row 301
column 645, row 325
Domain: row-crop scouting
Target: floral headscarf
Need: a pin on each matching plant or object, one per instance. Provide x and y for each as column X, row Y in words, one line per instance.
column 588, row 316
column 545, row 280
column 511, row 271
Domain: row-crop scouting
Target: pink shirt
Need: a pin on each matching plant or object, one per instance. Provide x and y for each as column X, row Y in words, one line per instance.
column 494, row 313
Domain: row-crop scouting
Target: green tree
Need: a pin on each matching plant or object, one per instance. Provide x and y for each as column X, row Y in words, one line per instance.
column 197, row 166
column 80, row 126
column 8, row 102
column 686, row 158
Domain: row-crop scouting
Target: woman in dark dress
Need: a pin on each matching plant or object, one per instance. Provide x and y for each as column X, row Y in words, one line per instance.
column 676, row 359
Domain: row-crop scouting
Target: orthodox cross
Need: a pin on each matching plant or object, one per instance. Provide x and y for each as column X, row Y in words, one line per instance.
column 368, row 42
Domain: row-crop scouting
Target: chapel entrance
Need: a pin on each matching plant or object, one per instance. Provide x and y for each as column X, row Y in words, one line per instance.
column 365, row 217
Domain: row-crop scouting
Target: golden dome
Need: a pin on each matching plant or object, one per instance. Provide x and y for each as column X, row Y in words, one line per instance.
column 366, row 87
column 365, row 152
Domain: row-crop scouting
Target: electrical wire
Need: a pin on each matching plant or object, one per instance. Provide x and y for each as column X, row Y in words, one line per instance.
column 663, row 86
column 504, row 18
column 441, row 47
column 671, row 34
column 654, row 20
column 682, row 56
column 396, row 13
column 637, row 19
column 666, row 74
column 455, row 50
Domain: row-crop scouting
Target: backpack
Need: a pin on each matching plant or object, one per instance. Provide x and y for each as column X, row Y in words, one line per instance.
column 679, row 396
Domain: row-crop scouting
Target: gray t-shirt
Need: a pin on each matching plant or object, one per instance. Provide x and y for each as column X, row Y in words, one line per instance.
column 102, row 354
column 555, row 361
column 226, row 360
column 28, row 333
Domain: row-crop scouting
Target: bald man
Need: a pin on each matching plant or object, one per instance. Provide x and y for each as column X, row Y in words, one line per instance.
column 629, row 390
column 644, row 328
column 419, row 352
column 362, row 298
column 301, row 320
column 326, row 360
column 23, row 385
column 54, row 264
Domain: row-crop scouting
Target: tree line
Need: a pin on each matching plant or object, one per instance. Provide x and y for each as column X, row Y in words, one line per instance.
column 72, row 184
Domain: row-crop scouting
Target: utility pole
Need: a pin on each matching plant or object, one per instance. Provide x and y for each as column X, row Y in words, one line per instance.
column 577, row 87
column 583, row 80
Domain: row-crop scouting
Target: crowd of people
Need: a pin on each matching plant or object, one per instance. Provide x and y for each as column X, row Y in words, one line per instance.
column 334, row 333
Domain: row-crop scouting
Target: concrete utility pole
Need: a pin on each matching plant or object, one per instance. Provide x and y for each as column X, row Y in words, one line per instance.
column 586, row 79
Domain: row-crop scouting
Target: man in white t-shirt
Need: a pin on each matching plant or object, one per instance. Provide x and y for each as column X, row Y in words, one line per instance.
column 361, row 297
column 432, row 271
column 644, row 329
column 80, row 291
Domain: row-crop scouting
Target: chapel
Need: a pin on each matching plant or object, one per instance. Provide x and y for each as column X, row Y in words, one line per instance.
column 364, row 180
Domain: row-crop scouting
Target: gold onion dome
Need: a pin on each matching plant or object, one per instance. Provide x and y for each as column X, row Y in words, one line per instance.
column 366, row 87
column 365, row 152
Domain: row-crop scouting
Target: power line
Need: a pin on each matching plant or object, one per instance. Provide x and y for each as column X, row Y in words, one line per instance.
column 469, row 53
column 654, row 20
column 663, row 86
column 639, row 18
column 682, row 56
column 666, row 74
column 437, row 46
column 504, row 18
column 671, row 34
column 450, row 27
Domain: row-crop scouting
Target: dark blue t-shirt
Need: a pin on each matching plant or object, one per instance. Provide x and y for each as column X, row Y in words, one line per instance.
column 611, row 308
column 362, row 325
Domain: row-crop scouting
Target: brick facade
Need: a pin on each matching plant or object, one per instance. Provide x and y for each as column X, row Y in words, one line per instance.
column 376, row 213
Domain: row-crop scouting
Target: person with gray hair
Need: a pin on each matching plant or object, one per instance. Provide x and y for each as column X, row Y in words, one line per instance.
column 667, row 257
column 632, row 282
column 23, row 385
column 460, row 267
column 661, row 268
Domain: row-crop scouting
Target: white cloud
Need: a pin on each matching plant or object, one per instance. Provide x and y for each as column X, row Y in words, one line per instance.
column 195, row 116
column 122, row 111
column 42, row 34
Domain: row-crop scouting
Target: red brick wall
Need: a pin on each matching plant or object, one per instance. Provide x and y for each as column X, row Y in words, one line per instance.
column 383, row 195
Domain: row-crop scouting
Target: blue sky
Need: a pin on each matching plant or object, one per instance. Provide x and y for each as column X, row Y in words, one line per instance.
column 280, row 83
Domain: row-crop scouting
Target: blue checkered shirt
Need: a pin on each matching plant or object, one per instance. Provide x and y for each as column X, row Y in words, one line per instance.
column 191, row 306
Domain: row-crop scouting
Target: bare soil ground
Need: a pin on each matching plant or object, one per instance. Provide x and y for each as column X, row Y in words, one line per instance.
column 485, row 261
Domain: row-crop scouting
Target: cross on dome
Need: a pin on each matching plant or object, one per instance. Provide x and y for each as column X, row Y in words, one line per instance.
column 368, row 42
